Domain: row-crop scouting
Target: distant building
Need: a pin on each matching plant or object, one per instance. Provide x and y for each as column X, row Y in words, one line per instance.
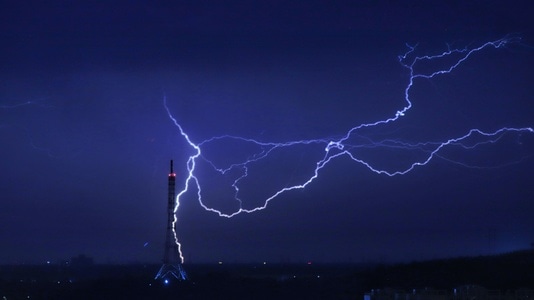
column 81, row 261
column 466, row 292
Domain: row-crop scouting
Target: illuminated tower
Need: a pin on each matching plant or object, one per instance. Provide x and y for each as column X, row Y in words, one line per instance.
column 172, row 261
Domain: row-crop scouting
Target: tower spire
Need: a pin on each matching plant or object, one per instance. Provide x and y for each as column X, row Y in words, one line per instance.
column 172, row 261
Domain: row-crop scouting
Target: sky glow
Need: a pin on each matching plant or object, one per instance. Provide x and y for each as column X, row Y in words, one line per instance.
column 300, row 131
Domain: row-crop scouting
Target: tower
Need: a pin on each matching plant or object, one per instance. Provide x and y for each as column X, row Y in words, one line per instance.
column 172, row 261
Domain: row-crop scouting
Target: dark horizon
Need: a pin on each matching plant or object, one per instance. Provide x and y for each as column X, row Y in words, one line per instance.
column 88, row 139
column 89, row 262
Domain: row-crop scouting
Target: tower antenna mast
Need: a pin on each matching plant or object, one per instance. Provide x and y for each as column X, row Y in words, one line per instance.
column 172, row 262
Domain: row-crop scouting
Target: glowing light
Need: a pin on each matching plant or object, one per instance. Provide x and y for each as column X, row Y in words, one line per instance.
column 344, row 146
column 16, row 105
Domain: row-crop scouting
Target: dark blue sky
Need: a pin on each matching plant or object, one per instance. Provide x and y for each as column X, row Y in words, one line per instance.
column 86, row 139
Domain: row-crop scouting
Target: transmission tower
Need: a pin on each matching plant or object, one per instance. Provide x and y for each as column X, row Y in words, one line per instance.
column 172, row 262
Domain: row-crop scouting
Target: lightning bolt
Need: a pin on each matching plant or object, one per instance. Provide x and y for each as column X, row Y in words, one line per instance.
column 341, row 147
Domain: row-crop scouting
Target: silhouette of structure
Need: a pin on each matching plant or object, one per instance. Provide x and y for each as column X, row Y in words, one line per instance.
column 172, row 262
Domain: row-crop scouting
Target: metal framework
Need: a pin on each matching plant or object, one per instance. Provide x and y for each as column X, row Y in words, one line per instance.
column 172, row 262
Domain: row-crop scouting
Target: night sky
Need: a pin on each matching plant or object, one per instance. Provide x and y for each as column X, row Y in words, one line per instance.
column 86, row 139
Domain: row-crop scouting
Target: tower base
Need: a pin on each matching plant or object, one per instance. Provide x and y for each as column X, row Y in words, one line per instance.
column 168, row 271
